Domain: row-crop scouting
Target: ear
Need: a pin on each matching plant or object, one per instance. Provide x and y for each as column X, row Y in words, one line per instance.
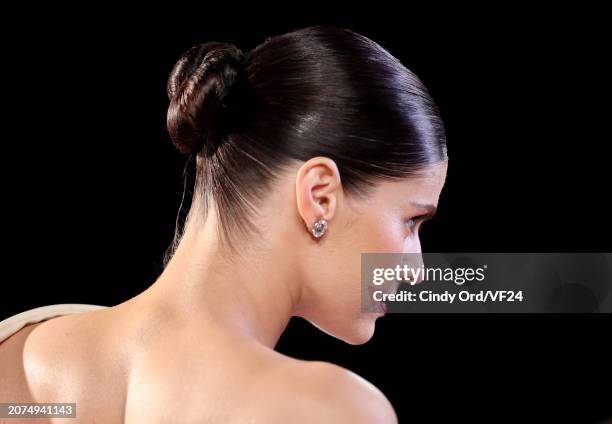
column 318, row 188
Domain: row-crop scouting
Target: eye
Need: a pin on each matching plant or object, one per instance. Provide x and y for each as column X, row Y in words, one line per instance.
column 416, row 222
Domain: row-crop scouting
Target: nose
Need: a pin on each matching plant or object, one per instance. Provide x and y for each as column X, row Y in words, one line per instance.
column 413, row 262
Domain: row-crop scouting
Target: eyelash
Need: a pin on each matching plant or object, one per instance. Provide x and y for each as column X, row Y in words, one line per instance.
column 418, row 220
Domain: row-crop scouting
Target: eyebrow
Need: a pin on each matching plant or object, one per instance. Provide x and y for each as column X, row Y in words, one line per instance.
column 431, row 209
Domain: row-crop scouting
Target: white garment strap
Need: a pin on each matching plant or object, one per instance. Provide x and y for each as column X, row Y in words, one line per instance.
column 13, row 324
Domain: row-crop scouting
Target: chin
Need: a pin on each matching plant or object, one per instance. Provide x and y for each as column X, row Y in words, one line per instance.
column 355, row 332
column 360, row 332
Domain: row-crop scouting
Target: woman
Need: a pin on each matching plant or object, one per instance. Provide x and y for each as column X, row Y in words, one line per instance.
column 312, row 148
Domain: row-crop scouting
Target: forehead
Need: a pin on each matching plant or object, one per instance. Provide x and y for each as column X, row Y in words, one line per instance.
column 424, row 188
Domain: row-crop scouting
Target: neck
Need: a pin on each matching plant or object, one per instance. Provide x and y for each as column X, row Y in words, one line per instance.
column 250, row 294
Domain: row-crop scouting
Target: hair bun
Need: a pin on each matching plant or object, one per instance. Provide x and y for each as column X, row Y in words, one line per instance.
column 199, row 87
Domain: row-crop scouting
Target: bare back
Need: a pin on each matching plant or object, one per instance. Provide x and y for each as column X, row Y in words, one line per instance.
column 214, row 377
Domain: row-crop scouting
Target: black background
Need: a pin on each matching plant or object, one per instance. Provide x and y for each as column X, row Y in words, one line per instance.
column 93, row 184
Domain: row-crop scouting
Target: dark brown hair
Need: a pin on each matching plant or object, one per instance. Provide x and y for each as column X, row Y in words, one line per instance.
column 318, row 91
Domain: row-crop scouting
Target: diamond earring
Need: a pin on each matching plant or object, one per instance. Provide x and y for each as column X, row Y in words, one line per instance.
column 319, row 228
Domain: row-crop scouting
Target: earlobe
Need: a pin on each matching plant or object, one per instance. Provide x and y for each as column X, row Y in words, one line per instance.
column 317, row 189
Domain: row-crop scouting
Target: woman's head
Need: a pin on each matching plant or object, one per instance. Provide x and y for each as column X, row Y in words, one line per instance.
column 320, row 123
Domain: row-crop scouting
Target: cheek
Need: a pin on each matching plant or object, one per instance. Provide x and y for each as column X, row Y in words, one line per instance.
column 412, row 245
column 383, row 232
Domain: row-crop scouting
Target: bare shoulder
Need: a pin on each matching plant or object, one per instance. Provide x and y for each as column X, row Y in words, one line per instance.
column 14, row 385
column 326, row 393
column 63, row 360
column 250, row 384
